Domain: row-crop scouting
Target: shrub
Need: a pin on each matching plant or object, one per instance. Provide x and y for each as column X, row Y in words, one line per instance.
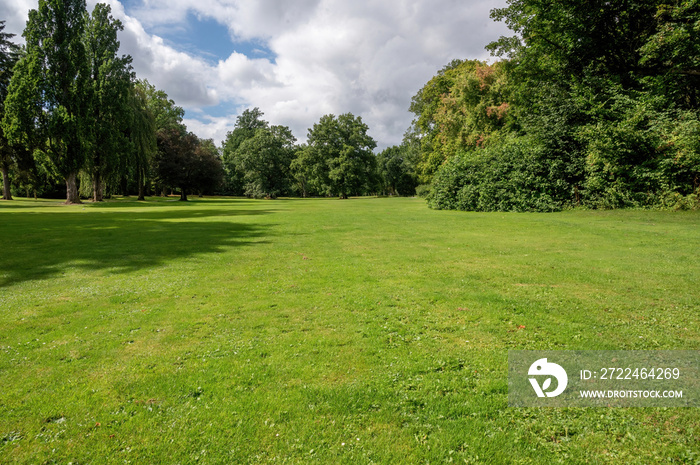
column 516, row 174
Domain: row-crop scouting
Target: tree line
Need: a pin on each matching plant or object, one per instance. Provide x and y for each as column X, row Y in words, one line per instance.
column 337, row 160
column 593, row 104
column 74, row 116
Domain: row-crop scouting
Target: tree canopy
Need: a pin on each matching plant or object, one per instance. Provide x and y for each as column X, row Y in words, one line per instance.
column 600, row 98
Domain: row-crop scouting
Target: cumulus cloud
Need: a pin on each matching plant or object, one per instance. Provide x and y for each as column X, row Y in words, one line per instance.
column 330, row 56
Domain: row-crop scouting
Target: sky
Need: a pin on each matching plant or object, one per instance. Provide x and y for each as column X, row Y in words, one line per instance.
column 296, row 60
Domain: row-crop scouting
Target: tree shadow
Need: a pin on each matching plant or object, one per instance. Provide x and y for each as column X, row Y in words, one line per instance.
column 40, row 245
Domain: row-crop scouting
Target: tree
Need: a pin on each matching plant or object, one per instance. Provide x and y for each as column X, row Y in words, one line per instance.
column 397, row 170
column 48, row 98
column 109, row 88
column 166, row 114
column 142, row 135
column 461, row 108
column 307, row 171
column 342, row 151
column 183, row 162
column 265, row 159
column 9, row 54
column 673, row 53
column 247, row 123
column 209, row 171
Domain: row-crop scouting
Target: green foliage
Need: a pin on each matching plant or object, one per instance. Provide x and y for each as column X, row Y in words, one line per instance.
column 166, row 114
column 673, row 53
column 459, row 109
column 423, row 190
column 183, row 161
column 264, row 160
column 110, row 114
column 397, row 170
column 48, row 99
column 9, row 54
column 341, row 151
column 309, row 171
column 512, row 175
column 142, row 135
column 602, row 111
column 247, row 123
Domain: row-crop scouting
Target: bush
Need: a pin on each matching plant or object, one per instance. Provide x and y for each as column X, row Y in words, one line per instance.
column 516, row 174
column 423, row 190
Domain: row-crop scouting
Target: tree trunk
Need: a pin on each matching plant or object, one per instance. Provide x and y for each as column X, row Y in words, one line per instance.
column 183, row 195
column 72, row 195
column 6, row 191
column 141, row 187
column 96, row 187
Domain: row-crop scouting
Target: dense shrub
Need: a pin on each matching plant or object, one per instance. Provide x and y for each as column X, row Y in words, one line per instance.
column 513, row 175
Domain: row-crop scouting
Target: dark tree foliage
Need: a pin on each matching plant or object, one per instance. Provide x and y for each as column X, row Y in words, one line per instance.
column 209, row 170
column 109, row 115
column 184, row 163
column 397, row 170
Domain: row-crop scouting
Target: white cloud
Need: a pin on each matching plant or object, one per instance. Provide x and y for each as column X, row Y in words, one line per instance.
column 331, row 56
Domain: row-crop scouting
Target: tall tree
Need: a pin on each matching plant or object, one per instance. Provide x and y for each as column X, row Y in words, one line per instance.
column 166, row 114
column 9, row 54
column 48, row 98
column 459, row 109
column 109, row 88
column 142, row 136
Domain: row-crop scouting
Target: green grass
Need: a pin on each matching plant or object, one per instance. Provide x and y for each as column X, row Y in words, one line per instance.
column 327, row 331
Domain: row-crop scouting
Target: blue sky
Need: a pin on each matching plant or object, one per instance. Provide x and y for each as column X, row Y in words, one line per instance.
column 296, row 60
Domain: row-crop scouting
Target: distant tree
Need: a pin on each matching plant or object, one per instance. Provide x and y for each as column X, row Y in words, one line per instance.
column 9, row 54
column 265, row 159
column 183, row 162
column 109, row 88
column 309, row 172
column 246, row 125
column 341, row 149
column 209, row 171
column 397, row 170
column 48, row 101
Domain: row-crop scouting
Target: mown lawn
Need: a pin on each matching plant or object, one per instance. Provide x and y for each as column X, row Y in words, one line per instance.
column 328, row 331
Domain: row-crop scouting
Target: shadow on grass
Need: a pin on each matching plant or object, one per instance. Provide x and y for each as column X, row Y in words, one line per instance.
column 40, row 245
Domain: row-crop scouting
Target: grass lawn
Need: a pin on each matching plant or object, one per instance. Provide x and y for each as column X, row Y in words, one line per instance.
column 328, row 331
